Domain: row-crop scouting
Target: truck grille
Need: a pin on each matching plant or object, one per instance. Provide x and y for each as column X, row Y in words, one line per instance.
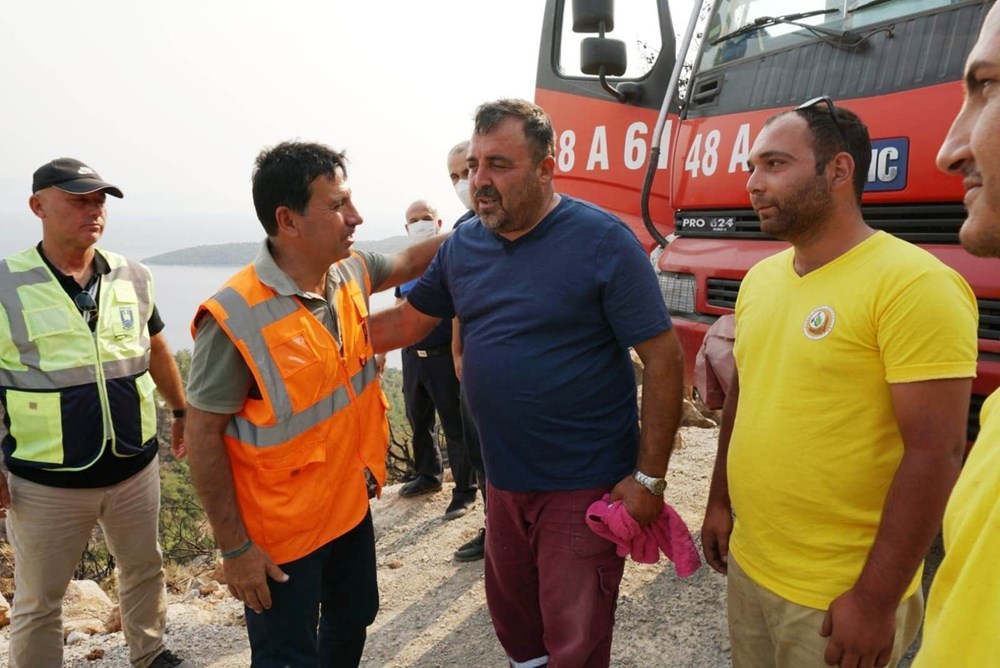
column 989, row 319
column 919, row 224
column 722, row 292
column 975, row 406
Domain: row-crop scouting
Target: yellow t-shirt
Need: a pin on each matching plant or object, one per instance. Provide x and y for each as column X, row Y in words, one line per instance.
column 963, row 610
column 815, row 444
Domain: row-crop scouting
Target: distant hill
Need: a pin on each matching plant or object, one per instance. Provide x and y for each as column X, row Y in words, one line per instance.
column 219, row 255
column 239, row 254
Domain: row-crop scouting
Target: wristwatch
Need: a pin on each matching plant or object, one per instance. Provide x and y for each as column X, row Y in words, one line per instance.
column 655, row 486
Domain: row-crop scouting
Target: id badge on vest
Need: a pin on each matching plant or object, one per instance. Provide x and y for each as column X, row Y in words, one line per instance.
column 124, row 311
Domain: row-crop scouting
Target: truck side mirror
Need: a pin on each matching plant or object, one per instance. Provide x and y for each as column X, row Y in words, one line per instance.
column 603, row 56
column 588, row 15
column 600, row 55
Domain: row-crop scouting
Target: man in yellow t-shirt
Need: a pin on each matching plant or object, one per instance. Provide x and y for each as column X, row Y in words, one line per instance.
column 963, row 609
column 844, row 429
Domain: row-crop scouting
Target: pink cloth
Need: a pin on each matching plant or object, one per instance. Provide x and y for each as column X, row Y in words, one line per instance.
column 668, row 533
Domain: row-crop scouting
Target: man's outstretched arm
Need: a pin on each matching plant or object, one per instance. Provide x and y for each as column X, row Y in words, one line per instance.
column 400, row 325
column 410, row 263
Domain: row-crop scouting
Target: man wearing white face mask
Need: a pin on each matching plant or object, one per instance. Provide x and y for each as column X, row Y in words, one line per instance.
column 430, row 384
column 459, row 172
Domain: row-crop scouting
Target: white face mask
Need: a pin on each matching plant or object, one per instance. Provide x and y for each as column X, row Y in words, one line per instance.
column 462, row 190
column 422, row 229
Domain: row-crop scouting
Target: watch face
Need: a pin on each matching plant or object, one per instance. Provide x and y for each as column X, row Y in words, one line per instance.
column 655, row 485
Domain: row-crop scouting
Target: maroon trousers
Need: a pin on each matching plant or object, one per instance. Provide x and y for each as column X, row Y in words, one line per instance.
column 551, row 583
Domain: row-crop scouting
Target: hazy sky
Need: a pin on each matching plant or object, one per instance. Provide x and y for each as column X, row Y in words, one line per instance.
column 172, row 101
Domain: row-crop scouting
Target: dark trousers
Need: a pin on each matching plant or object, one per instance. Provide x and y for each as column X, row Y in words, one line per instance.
column 429, row 384
column 470, row 435
column 334, row 589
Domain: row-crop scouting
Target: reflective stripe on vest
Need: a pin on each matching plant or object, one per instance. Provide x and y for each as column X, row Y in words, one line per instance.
column 246, row 431
column 9, row 285
column 246, row 324
column 54, row 380
column 30, row 376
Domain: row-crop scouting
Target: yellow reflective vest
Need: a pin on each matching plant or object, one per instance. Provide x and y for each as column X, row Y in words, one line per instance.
column 299, row 452
column 68, row 392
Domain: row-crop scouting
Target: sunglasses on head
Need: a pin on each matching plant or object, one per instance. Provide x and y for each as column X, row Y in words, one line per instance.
column 825, row 100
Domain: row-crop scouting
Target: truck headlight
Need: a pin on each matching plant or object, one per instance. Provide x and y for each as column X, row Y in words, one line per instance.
column 678, row 291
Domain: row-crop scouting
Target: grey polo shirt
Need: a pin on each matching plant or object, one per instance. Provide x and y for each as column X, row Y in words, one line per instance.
column 220, row 380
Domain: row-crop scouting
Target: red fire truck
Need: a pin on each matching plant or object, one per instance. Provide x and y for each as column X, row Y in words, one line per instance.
column 608, row 76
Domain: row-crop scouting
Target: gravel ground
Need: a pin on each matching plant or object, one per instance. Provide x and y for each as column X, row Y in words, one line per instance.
column 433, row 610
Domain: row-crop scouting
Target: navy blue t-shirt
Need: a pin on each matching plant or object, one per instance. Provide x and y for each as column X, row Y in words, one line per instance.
column 547, row 320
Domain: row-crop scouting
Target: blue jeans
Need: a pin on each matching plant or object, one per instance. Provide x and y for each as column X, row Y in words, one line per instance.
column 335, row 589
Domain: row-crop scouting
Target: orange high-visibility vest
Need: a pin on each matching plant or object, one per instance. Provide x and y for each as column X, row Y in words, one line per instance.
column 299, row 452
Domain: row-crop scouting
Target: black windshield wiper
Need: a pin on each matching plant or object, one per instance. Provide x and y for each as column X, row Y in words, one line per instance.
column 873, row 3
column 767, row 21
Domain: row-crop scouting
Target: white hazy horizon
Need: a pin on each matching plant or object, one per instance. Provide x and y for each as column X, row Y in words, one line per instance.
column 172, row 101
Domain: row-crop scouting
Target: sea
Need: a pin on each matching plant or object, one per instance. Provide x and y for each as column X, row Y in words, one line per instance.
column 180, row 289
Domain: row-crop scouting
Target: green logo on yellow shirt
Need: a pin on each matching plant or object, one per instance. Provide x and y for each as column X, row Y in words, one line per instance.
column 819, row 323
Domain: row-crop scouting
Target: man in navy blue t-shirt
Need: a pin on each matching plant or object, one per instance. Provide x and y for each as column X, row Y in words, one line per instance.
column 550, row 292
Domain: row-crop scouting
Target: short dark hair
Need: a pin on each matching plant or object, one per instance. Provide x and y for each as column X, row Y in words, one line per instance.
column 828, row 142
column 537, row 124
column 283, row 174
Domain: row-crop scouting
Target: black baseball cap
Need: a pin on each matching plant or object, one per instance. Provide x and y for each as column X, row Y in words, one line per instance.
column 71, row 176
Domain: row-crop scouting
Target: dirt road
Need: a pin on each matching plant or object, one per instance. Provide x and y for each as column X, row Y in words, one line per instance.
column 433, row 610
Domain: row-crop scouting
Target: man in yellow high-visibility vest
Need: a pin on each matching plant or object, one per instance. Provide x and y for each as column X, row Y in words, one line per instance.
column 81, row 351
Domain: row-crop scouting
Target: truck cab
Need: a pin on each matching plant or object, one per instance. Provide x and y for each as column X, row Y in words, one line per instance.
column 898, row 64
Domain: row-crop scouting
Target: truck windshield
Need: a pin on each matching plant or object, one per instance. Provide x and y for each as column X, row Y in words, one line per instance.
column 755, row 27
